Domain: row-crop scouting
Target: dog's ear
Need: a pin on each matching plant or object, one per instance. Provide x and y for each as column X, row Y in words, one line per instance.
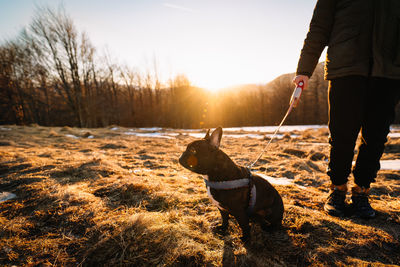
column 207, row 135
column 215, row 138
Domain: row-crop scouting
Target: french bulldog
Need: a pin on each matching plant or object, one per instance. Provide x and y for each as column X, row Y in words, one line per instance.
column 234, row 189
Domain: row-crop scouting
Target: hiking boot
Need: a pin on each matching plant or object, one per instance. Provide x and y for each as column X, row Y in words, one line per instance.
column 361, row 206
column 336, row 202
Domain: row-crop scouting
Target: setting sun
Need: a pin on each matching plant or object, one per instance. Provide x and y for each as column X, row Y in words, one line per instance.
column 218, row 70
column 223, row 74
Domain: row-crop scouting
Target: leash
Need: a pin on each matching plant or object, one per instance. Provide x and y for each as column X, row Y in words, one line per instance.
column 293, row 103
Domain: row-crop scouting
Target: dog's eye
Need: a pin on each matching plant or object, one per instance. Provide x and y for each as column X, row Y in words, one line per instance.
column 192, row 150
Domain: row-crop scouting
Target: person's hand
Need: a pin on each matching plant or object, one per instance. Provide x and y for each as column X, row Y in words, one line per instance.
column 301, row 78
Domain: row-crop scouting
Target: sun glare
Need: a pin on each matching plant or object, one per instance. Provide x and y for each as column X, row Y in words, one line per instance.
column 221, row 76
column 216, row 73
column 213, row 86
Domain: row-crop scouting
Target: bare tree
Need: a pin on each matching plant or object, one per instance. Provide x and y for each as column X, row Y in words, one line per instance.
column 55, row 38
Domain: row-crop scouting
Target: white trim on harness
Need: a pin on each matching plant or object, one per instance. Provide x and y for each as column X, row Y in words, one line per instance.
column 226, row 185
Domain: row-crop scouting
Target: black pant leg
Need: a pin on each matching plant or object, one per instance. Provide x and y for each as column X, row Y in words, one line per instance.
column 382, row 98
column 346, row 106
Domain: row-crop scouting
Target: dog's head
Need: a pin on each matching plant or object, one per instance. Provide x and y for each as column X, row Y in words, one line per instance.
column 201, row 155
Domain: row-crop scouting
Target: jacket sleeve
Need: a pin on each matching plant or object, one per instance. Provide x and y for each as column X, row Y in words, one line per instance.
column 317, row 36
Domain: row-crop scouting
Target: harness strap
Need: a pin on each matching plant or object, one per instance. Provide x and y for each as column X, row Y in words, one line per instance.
column 252, row 201
column 226, row 185
column 253, row 196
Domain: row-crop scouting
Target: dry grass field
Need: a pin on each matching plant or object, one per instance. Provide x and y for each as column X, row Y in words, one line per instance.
column 100, row 197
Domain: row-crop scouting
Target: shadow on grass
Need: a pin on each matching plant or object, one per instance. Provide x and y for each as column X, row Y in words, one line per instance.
column 229, row 258
column 329, row 242
column 13, row 184
column 5, row 169
column 86, row 171
column 36, row 215
column 135, row 195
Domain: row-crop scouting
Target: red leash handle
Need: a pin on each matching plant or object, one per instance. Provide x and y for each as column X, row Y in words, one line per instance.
column 296, row 94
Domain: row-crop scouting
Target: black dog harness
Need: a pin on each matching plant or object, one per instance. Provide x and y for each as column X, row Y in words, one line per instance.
column 228, row 185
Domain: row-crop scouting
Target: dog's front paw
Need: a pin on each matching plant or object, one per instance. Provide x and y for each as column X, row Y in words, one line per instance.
column 220, row 229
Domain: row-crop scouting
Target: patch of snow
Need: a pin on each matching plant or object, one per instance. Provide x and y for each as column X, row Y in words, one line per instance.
column 276, row 181
column 256, row 136
column 197, row 135
column 151, row 129
column 158, row 135
column 312, row 143
column 390, row 164
column 394, row 135
column 90, row 137
column 5, row 129
column 4, row 196
column 259, row 136
column 114, row 128
column 269, row 129
column 187, row 130
column 393, row 164
column 72, row 136
column 279, row 181
column 136, row 171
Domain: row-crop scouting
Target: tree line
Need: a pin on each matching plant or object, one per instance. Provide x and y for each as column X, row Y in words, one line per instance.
column 52, row 75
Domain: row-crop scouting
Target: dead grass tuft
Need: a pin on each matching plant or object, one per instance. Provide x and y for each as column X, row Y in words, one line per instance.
column 149, row 239
column 66, row 129
column 53, row 134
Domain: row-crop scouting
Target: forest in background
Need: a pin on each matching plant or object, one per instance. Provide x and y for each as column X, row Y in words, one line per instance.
column 52, row 75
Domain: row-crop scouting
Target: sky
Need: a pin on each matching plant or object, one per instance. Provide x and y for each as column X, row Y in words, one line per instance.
column 215, row 43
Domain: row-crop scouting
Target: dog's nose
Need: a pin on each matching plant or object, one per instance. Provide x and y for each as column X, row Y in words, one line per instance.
column 181, row 159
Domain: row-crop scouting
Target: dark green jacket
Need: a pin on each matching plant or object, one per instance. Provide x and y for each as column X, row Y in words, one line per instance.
column 363, row 38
